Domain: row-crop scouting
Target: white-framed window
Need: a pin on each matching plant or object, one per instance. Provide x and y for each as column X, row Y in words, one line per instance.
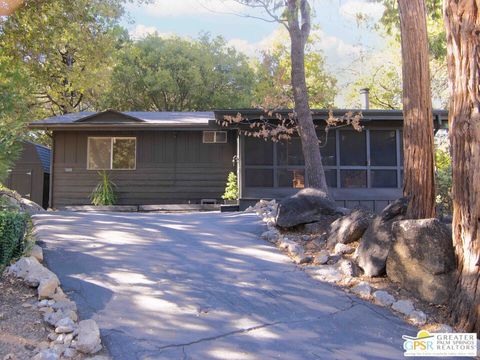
column 111, row 153
column 214, row 137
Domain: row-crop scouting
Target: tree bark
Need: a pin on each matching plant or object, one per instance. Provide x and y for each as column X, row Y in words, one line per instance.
column 462, row 23
column 299, row 11
column 419, row 180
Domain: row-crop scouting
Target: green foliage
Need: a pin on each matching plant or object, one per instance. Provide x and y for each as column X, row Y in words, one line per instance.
column 176, row 74
column 381, row 72
column 13, row 113
column 443, row 178
column 13, row 226
column 104, row 193
column 273, row 88
column 231, row 189
column 65, row 49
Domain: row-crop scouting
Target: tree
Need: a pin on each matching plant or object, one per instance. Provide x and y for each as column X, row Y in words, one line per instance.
column 65, row 51
column 273, row 89
column 177, row 74
column 462, row 21
column 419, row 176
column 13, row 113
column 295, row 16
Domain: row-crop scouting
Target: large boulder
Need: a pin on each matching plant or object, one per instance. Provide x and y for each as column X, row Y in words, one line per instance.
column 88, row 341
column 306, row 206
column 422, row 259
column 372, row 252
column 13, row 200
column 348, row 228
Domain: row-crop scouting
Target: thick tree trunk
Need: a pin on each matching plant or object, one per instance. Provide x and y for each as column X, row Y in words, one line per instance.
column 462, row 22
column 315, row 174
column 419, row 183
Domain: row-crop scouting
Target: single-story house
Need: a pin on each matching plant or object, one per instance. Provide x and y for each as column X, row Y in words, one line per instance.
column 185, row 157
column 30, row 174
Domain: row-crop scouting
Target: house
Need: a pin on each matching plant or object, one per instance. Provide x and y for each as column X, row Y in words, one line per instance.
column 30, row 175
column 185, row 157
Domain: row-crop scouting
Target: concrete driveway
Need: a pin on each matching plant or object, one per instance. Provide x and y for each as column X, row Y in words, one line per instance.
column 203, row 286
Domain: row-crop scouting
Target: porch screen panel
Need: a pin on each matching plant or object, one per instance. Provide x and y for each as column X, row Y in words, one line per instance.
column 383, row 148
column 353, row 149
column 258, row 177
column 99, row 153
column 328, row 147
column 258, row 151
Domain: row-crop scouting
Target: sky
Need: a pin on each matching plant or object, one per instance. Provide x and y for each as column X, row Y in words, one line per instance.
column 343, row 41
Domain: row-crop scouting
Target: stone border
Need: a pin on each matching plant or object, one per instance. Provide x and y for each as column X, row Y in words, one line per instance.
column 71, row 338
column 343, row 269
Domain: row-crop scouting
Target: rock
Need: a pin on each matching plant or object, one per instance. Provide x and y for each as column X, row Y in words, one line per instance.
column 284, row 243
column 53, row 317
column 383, row 298
column 321, row 226
column 404, row 307
column 59, row 295
column 46, row 288
column 348, row 268
column 306, row 206
column 422, row 259
column 349, row 228
column 362, row 289
column 304, row 259
column 37, row 252
column 443, row 328
column 395, row 209
column 29, row 269
column 341, row 249
column 270, row 236
column 46, row 354
column 418, row 318
column 64, row 325
column 14, row 200
column 322, row 257
column 69, row 353
column 59, row 339
column 67, row 340
column 88, row 340
column 372, row 252
column 64, row 305
column 328, row 273
column 294, row 249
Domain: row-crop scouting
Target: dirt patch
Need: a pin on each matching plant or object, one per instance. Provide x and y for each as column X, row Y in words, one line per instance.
column 22, row 329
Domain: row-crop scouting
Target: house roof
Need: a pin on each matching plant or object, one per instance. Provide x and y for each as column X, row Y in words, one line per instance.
column 132, row 118
column 145, row 119
column 43, row 153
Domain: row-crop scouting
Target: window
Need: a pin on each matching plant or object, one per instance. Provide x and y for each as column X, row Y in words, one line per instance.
column 111, row 153
column 290, row 152
column 353, row 149
column 383, row 148
column 214, row 137
column 353, row 178
column 258, row 151
column 384, row 178
column 293, row 178
column 328, row 147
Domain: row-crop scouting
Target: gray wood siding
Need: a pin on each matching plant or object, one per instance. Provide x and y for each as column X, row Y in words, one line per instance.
column 172, row 167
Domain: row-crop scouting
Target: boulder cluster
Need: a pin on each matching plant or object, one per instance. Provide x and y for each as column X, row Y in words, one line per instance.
column 416, row 254
column 69, row 337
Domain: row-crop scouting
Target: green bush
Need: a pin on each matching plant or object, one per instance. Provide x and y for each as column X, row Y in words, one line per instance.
column 443, row 177
column 13, row 226
column 104, row 192
column 231, row 189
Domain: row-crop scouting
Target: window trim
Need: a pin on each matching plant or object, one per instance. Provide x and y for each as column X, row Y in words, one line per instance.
column 112, row 140
column 215, row 141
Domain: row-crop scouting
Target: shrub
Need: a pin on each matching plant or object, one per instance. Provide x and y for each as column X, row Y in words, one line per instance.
column 104, row 192
column 13, row 226
column 231, row 189
column 443, row 178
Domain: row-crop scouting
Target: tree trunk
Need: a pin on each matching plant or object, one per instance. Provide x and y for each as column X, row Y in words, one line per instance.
column 315, row 174
column 418, row 183
column 462, row 22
